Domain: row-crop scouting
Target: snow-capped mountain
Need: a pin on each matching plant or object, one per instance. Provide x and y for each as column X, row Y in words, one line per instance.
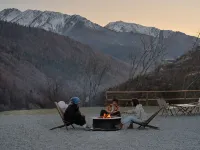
column 121, row 26
column 117, row 39
column 47, row 20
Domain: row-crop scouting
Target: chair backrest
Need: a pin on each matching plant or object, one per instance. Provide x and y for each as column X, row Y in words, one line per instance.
column 159, row 103
column 61, row 113
column 153, row 116
column 162, row 103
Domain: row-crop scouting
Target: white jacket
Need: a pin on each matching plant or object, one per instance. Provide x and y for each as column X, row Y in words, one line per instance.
column 139, row 112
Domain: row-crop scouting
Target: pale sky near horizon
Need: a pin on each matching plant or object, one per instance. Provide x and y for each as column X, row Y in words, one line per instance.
column 177, row 15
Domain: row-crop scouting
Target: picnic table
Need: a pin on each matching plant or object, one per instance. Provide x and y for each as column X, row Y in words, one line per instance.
column 186, row 109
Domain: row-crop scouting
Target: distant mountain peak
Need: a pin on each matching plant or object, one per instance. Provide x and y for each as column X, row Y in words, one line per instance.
column 47, row 20
column 120, row 26
column 9, row 14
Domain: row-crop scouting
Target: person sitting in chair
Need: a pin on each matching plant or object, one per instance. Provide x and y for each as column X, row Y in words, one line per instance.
column 112, row 109
column 73, row 115
column 139, row 115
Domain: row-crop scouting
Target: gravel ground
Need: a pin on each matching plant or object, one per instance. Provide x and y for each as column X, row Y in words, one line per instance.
column 31, row 132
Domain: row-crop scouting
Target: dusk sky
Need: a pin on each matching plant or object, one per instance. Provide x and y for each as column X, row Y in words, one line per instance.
column 178, row 15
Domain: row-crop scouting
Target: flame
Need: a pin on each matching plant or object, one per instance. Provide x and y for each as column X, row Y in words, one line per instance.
column 106, row 116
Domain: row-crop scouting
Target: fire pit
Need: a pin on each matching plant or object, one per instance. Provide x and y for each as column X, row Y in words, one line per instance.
column 106, row 123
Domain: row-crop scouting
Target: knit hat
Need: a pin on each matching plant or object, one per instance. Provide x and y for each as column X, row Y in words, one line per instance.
column 75, row 100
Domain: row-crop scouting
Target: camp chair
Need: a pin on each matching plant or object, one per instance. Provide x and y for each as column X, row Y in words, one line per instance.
column 197, row 106
column 66, row 124
column 146, row 123
column 167, row 108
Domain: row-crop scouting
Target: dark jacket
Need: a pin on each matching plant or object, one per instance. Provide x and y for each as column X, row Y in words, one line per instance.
column 73, row 115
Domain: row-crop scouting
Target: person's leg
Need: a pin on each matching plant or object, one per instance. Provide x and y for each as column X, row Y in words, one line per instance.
column 126, row 122
column 130, row 119
column 103, row 112
column 80, row 121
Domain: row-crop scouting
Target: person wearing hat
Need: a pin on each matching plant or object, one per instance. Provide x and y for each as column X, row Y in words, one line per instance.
column 72, row 113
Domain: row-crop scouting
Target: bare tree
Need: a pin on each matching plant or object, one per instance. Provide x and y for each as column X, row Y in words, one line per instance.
column 3, row 91
column 54, row 89
column 184, row 73
column 94, row 73
column 148, row 57
column 188, row 80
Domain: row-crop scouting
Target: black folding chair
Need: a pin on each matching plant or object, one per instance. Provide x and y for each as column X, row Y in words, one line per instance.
column 146, row 123
column 66, row 124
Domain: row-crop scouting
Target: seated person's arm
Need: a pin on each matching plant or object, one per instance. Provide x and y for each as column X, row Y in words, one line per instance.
column 109, row 109
column 116, row 109
column 131, row 111
column 78, row 112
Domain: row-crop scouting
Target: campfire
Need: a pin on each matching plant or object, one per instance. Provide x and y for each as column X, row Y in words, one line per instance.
column 106, row 116
column 106, row 122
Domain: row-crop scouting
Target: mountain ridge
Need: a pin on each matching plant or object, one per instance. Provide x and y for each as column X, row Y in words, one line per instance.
column 121, row 26
column 29, row 16
column 116, row 44
column 108, row 26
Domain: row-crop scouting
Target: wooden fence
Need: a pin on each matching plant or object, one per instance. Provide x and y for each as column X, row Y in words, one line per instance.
column 150, row 97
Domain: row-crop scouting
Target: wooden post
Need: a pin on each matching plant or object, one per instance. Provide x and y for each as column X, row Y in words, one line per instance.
column 185, row 95
column 147, row 99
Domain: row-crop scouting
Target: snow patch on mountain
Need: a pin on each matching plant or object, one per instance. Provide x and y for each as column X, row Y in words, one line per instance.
column 9, row 14
column 121, row 26
column 27, row 17
column 50, row 21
